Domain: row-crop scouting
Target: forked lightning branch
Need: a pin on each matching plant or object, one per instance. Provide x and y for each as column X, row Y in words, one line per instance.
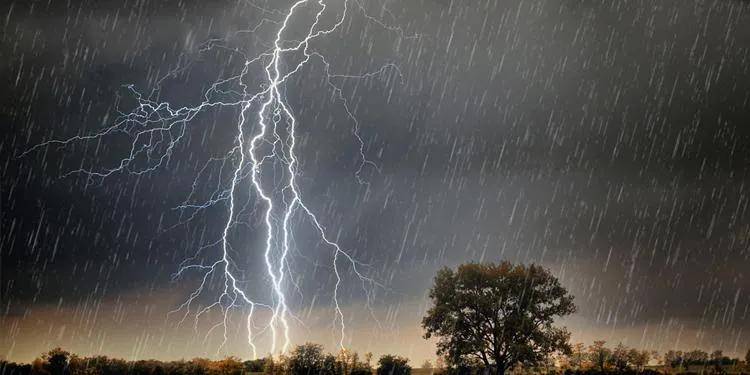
column 265, row 134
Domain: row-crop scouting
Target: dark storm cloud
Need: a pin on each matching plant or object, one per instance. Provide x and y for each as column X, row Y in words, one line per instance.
column 606, row 140
column 607, row 137
column 617, row 128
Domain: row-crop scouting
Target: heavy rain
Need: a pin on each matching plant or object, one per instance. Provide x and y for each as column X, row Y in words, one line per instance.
column 233, row 179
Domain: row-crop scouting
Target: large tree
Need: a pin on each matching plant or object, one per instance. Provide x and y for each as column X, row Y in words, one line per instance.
column 497, row 315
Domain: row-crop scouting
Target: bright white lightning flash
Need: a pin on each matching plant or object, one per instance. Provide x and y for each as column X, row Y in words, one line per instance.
column 156, row 128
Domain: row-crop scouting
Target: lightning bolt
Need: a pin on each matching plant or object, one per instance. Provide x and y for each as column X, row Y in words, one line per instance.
column 156, row 128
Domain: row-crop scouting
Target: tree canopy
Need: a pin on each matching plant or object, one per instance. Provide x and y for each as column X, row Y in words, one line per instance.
column 393, row 365
column 306, row 359
column 497, row 315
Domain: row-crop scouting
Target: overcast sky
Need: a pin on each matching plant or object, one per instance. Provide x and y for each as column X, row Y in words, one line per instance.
column 607, row 140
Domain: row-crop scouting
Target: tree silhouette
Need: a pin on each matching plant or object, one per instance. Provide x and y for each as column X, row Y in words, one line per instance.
column 56, row 361
column 695, row 357
column 255, row 365
column 329, row 365
column 639, row 358
column 673, row 358
column 577, row 357
column 499, row 315
column 620, row 357
column 393, row 365
column 600, row 355
column 306, row 359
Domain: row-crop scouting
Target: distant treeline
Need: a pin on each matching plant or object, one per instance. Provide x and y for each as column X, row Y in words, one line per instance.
column 310, row 359
column 600, row 358
column 306, row 359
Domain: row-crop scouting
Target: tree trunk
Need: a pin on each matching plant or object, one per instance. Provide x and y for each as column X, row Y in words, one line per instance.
column 499, row 368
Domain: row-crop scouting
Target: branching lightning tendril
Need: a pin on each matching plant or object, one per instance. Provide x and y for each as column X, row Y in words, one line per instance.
column 156, row 128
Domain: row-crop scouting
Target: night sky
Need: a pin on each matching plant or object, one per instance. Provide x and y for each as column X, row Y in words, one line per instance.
column 607, row 140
